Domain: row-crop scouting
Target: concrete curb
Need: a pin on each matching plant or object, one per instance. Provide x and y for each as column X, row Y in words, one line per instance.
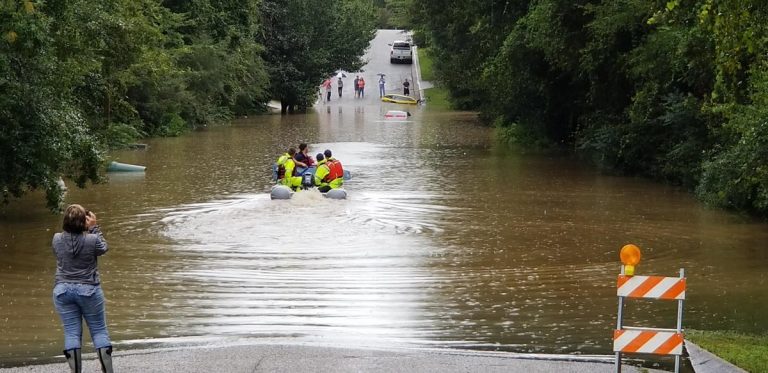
column 417, row 73
column 704, row 361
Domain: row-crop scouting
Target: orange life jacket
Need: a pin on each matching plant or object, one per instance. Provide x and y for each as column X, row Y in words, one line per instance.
column 336, row 170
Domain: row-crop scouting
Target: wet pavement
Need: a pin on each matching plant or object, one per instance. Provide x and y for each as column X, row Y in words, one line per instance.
column 297, row 358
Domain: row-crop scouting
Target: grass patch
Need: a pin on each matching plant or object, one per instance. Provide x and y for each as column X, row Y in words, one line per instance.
column 749, row 352
column 437, row 98
column 425, row 63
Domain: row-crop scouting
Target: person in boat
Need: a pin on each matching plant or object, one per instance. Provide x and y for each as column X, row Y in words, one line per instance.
column 321, row 174
column 336, row 171
column 286, row 169
column 302, row 158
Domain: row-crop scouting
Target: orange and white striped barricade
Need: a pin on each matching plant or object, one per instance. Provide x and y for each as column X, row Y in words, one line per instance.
column 658, row 341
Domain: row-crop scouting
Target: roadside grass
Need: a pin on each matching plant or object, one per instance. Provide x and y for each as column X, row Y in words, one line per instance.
column 749, row 352
column 437, row 98
column 425, row 63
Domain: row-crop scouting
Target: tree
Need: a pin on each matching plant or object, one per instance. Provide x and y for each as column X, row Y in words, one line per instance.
column 221, row 58
column 43, row 135
column 307, row 41
column 463, row 36
column 675, row 90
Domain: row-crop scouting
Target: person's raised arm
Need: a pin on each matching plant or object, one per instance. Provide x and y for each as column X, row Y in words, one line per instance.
column 93, row 228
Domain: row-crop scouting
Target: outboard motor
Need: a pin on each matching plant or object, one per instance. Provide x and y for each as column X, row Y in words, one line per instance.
column 306, row 181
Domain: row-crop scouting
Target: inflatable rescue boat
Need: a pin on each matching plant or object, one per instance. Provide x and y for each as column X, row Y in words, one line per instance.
column 280, row 191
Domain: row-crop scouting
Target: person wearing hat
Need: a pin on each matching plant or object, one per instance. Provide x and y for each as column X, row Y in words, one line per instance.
column 336, row 175
column 321, row 174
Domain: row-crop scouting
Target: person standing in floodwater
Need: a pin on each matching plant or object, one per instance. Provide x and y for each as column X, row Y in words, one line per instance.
column 77, row 292
column 361, row 85
column 406, row 87
column 382, row 84
column 355, row 84
column 327, row 85
column 340, row 84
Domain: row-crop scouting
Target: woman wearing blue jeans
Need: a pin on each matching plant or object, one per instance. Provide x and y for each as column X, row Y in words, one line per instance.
column 77, row 294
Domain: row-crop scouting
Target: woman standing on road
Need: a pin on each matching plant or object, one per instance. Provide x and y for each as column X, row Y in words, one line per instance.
column 327, row 85
column 77, row 291
column 361, row 86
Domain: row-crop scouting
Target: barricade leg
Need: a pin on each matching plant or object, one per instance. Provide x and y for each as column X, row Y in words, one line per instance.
column 679, row 322
column 619, row 325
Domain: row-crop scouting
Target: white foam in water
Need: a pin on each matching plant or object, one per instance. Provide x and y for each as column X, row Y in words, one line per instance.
column 307, row 197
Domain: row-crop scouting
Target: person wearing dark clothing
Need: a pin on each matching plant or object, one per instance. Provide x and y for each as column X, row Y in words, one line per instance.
column 340, row 84
column 302, row 158
column 406, row 87
column 77, row 292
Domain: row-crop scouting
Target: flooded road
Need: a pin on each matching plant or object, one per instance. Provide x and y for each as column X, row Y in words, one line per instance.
column 446, row 240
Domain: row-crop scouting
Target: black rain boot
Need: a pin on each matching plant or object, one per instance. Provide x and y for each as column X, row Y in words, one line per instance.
column 105, row 358
column 74, row 359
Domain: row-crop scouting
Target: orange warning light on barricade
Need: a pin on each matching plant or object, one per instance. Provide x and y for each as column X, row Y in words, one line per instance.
column 630, row 257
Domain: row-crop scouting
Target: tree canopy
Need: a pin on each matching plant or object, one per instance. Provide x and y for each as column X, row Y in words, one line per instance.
column 80, row 77
column 673, row 90
column 306, row 41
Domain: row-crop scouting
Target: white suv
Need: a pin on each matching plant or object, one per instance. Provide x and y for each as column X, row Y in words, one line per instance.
column 400, row 52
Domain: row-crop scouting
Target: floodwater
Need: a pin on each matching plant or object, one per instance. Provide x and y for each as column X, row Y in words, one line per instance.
column 446, row 240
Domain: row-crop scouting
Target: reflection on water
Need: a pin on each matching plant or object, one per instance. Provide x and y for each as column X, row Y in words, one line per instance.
column 445, row 241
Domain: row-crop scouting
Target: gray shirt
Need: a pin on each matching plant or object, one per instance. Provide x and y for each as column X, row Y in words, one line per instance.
column 76, row 256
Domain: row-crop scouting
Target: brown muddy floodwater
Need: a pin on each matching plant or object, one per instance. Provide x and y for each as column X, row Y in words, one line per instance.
column 446, row 240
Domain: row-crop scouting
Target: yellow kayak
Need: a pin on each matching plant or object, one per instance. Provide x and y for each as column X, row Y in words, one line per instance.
column 399, row 99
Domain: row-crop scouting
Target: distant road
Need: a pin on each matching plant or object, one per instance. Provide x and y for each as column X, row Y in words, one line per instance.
column 378, row 62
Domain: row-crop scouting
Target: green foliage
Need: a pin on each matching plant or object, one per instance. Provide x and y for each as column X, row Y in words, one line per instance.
column 463, row 36
column 42, row 136
column 437, row 98
column 307, row 41
column 392, row 14
column 747, row 351
column 532, row 77
column 737, row 174
column 223, row 72
column 173, row 125
column 118, row 135
column 398, row 13
column 673, row 90
column 78, row 77
column 426, row 64
column 515, row 135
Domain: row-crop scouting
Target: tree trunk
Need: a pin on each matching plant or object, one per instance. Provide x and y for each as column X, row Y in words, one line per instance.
column 283, row 107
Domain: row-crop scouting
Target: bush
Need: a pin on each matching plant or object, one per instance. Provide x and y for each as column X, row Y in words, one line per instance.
column 173, row 125
column 118, row 135
column 514, row 134
column 736, row 176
